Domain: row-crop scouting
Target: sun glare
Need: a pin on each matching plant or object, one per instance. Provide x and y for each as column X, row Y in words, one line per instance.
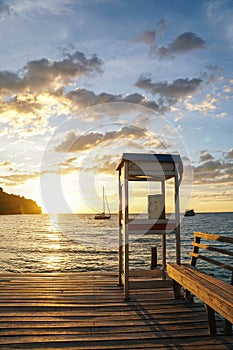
column 54, row 201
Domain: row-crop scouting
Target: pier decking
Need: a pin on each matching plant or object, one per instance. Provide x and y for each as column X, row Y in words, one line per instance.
column 87, row 311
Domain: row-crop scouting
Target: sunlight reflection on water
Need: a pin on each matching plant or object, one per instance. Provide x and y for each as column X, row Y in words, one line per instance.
column 68, row 242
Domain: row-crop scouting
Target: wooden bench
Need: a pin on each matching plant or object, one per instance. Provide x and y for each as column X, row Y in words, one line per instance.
column 215, row 293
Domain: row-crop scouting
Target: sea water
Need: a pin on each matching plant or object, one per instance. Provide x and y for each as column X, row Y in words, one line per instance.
column 69, row 242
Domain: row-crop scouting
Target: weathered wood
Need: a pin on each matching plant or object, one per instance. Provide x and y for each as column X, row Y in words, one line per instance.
column 211, row 319
column 153, row 264
column 212, row 261
column 45, row 312
column 218, row 295
column 195, row 251
column 214, row 237
column 213, row 248
column 207, row 290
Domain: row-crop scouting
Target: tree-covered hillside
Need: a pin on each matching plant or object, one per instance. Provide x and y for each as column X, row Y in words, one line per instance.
column 13, row 204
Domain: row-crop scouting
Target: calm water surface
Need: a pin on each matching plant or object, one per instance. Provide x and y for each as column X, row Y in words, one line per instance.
column 62, row 243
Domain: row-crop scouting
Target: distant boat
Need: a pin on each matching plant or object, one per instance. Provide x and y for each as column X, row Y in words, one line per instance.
column 189, row 212
column 103, row 215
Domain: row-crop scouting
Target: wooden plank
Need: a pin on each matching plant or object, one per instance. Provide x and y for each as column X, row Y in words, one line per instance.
column 50, row 323
column 201, row 280
column 148, row 344
column 211, row 294
column 213, row 248
column 46, row 312
column 214, row 237
column 225, row 286
column 87, row 337
column 212, row 261
column 102, row 329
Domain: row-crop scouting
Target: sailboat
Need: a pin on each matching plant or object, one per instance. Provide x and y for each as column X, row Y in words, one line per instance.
column 103, row 215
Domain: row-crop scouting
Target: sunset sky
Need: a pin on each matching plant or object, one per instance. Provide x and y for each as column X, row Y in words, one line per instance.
column 82, row 81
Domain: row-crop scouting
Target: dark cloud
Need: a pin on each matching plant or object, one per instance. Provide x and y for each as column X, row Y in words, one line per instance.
column 183, row 43
column 213, row 172
column 177, row 89
column 85, row 98
column 10, row 82
column 40, row 85
column 46, row 75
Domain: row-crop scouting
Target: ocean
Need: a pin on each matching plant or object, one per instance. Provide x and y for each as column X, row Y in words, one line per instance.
column 69, row 242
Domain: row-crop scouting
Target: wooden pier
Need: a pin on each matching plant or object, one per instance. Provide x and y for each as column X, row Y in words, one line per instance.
column 88, row 311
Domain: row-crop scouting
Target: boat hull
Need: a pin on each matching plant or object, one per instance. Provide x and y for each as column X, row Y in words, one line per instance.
column 102, row 217
column 189, row 213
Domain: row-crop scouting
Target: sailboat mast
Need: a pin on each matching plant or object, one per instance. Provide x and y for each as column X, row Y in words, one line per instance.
column 103, row 201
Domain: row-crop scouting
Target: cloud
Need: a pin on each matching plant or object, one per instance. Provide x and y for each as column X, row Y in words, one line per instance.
column 21, row 178
column 208, row 104
column 71, row 160
column 25, row 103
column 82, row 98
column 213, row 172
column 46, row 75
column 31, row 9
column 5, row 9
column 104, row 164
column 74, row 142
column 205, row 156
column 183, row 43
column 179, row 88
column 230, row 154
column 148, row 37
column 15, row 179
column 10, row 82
column 5, row 163
column 29, row 97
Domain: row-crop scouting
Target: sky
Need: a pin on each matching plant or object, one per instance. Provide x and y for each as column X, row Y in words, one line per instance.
column 82, row 82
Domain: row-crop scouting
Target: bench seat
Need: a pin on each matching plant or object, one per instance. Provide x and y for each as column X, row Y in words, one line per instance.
column 216, row 294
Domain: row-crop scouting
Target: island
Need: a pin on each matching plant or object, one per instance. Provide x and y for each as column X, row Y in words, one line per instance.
column 13, row 204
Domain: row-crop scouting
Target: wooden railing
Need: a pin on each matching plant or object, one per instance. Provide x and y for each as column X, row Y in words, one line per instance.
column 211, row 237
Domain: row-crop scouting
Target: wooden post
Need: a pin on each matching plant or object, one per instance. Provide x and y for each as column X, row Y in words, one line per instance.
column 211, row 320
column 177, row 216
column 126, row 238
column 164, row 195
column 227, row 327
column 164, row 255
column 228, row 324
column 120, row 257
column 164, row 243
column 153, row 264
column 195, row 250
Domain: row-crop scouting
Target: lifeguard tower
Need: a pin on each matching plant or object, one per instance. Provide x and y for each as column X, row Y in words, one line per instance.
column 143, row 170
